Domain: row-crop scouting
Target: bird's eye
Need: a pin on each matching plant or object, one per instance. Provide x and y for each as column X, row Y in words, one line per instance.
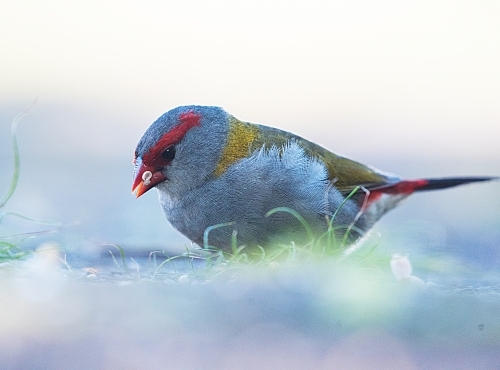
column 168, row 154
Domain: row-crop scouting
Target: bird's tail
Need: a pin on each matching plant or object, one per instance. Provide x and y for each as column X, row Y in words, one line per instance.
column 379, row 199
column 449, row 182
column 410, row 186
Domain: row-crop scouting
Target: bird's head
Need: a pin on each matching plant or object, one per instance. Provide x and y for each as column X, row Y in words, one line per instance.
column 180, row 149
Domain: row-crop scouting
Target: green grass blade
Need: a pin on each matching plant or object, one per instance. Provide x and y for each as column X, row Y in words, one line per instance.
column 34, row 220
column 295, row 214
column 210, row 228
column 17, row 157
column 343, row 203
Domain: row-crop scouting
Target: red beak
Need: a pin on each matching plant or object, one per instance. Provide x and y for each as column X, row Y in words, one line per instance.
column 145, row 179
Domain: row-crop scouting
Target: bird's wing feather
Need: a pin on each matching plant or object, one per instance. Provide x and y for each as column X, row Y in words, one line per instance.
column 345, row 173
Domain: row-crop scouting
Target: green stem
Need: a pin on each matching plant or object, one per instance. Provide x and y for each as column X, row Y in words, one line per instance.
column 17, row 160
column 295, row 214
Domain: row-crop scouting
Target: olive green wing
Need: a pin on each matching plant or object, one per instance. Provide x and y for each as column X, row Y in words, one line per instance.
column 345, row 173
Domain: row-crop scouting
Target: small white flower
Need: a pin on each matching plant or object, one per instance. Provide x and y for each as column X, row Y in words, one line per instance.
column 401, row 266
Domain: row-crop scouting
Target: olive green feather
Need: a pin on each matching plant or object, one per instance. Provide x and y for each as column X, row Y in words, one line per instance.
column 344, row 172
column 245, row 138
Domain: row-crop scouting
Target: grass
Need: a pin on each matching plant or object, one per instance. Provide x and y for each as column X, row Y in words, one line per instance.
column 11, row 250
column 212, row 264
column 10, row 245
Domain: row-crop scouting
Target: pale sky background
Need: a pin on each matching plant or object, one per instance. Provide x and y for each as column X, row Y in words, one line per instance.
column 411, row 87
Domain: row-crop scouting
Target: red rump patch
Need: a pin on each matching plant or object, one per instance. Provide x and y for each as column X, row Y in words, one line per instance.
column 188, row 120
column 403, row 187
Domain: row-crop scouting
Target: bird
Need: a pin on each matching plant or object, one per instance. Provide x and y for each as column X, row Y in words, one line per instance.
column 222, row 181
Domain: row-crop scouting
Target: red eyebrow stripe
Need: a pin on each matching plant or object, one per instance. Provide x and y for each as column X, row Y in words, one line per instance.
column 188, row 120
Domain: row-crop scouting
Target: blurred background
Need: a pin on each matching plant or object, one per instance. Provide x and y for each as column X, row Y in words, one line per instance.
column 409, row 87
column 412, row 88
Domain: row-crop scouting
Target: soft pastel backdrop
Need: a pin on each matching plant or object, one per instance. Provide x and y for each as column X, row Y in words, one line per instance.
column 409, row 87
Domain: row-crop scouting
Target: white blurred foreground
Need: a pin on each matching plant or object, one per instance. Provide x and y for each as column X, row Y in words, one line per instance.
column 319, row 314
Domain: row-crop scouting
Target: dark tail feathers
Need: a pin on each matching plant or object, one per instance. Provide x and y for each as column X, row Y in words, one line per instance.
column 435, row 184
column 410, row 186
